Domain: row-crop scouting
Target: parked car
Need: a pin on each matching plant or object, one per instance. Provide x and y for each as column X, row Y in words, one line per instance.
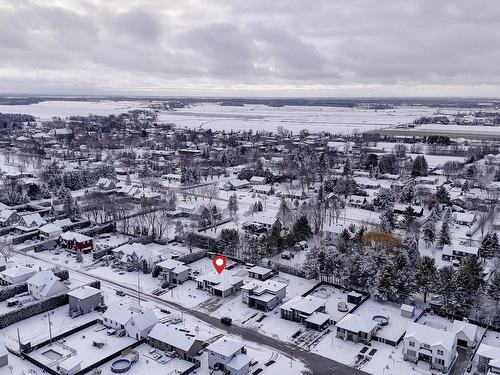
column 226, row 320
column 120, row 293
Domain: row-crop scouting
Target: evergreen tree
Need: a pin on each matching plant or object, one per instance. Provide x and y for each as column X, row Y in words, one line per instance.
column 443, row 196
column 445, row 287
column 229, row 241
column 301, row 229
column 469, row 280
column 486, row 249
column 429, row 232
column 232, row 205
column 444, row 233
column 385, row 283
column 426, row 275
column 419, row 167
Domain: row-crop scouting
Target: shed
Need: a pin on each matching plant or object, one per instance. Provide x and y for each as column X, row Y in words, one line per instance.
column 70, row 366
column 407, row 311
column 354, row 298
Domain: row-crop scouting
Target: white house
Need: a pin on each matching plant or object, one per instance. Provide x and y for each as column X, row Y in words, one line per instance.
column 45, row 284
column 487, row 359
column 265, row 221
column 299, row 308
column 31, row 221
column 228, row 355
column 136, row 321
column 433, row 345
column 257, row 180
column 456, row 251
column 8, row 217
column 262, row 189
column 466, row 333
column 235, row 184
column 16, row 274
column 137, row 254
column 263, row 295
column 220, row 285
column 173, row 271
column 463, row 218
column 353, row 327
column 50, row 231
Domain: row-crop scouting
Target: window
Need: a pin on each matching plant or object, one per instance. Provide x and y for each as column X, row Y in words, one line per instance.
column 439, row 361
column 411, row 353
column 412, row 344
column 425, row 346
column 440, row 352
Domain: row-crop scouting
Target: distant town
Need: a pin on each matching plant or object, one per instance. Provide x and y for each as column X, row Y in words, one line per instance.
column 359, row 236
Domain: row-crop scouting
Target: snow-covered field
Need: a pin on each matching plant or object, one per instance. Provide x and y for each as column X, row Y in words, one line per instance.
column 47, row 110
column 314, row 118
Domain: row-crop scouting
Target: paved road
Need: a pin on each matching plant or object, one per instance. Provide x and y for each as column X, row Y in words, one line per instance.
column 315, row 363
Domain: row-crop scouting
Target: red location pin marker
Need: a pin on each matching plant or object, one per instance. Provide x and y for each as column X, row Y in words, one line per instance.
column 219, row 263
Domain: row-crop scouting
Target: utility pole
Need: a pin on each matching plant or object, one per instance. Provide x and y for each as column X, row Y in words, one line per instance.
column 50, row 328
column 19, row 341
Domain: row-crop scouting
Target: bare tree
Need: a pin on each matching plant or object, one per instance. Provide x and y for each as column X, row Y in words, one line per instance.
column 6, row 250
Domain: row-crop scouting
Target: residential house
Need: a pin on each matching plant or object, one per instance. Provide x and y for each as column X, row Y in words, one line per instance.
column 264, row 221
column 16, row 275
column 30, row 222
column 169, row 338
column 76, row 241
column 429, row 344
column 235, row 184
column 263, row 189
column 332, row 231
column 257, row 180
column 487, row 359
column 416, row 210
column 172, row 177
column 263, row 295
column 173, row 271
column 463, row 218
column 220, row 285
column 228, row 355
column 260, row 273
column 466, row 333
column 456, row 251
column 105, row 184
column 49, row 231
column 84, row 299
column 356, row 328
column 136, row 321
column 8, row 217
column 45, row 284
column 427, row 180
column 357, row 201
column 299, row 308
column 137, row 255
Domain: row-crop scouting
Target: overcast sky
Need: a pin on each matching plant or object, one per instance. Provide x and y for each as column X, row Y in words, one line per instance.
column 251, row 47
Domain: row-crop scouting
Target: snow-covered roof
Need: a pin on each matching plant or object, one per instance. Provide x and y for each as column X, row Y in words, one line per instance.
column 226, row 347
column 41, row 278
column 6, row 214
column 489, row 351
column 448, row 249
column 33, row 219
column 430, row 335
column 407, row 308
column 174, row 266
column 75, row 236
column 468, row 329
column 145, row 319
column 265, row 188
column 464, row 217
column 257, row 179
column 318, row 318
column 259, row 270
column 50, row 228
column 171, row 335
column 120, row 313
column 84, row 292
column 70, row 363
column 17, row 271
column 238, row 362
column 306, row 305
column 62, row 223
column 264, row 219
column 356, row 323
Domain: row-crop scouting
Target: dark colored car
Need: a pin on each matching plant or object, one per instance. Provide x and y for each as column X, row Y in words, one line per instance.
column 226, row 320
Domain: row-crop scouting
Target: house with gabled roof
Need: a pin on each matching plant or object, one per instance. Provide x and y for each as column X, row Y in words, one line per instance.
column 263, row 295
column 174, row 339
column 300, row 308
column 435, row 346
column 135, row 320
column 45, row 284
column 16, row 274
column 356, row 328
column 228, row 355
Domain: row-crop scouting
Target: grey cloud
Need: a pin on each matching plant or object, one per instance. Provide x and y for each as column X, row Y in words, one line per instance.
column 351, row 46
